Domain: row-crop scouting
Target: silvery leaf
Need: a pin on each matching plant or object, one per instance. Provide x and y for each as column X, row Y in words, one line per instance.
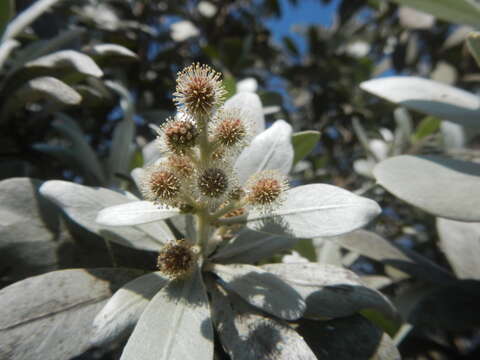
column 375, row 247
column 83, row 152
column 460, row 242
column 262, row 290
column 50, row 316
column 45, row 88
column 111, row 51
column 250, row 246
column 121, row 313
column 123, row 134
column 29, row 229
column 251, row 107
column 270, row 150
column 456, row 11
column 70, row 60
column 175, row 326
column 134, row 213
column 330, row 291
column 348, row 338
column 247, row 335
column 82, row 204
column 429, row 97
column 317, row 210
column 303, row 143
column 443, row 187
column 414, row 19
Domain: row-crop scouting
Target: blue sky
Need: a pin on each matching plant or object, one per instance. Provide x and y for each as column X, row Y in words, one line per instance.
column 307, row 12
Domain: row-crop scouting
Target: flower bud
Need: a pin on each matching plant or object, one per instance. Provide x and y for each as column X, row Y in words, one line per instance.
column 199, row 90
column 265, row 190
column 177, row 259
column 178, row 135
column 229, row 129
column 181, row 164
column 161, row 185
column 213, row 182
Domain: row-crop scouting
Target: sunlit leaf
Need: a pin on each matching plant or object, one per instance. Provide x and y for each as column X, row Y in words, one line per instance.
column 429, row 97
column 317, row 210
column 175, row 326
column 441, row 186
column 262, row 289
column 61, row 304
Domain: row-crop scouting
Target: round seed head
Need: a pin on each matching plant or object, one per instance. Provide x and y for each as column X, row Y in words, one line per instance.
column 177, row 259
column 199, row 89
column 236, row 193
column 178, row 135
column 230, row 131
column 265, row 190
column 213, row 182
column 161, row 185
column 181, row 164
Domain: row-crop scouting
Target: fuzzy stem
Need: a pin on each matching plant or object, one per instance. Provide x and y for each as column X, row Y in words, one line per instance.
column 203, row 139
column 235, row 204
column 203, row 224
column 234, row 220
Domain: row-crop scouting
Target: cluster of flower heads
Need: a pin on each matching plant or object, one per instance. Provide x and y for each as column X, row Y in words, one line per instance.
column 201, row 144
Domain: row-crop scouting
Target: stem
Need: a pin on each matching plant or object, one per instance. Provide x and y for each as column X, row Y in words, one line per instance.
column 226, row 209
column 203, row 139
column 234, row 220
column 203, row 230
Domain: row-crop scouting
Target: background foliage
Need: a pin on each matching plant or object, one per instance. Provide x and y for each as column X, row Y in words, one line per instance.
column 82, row 81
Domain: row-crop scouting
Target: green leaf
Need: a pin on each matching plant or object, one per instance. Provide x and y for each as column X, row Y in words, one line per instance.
column 230, row 85
column 427, row 126
column 83, row 153
column 450, row 307
column 348, row 338
column 388, row 324
column 441, row 186
column 26, row 17
column 456, row 11
column 7, row 11
column 473, row 44
column 303, row 143
column 175, row 325
column 428, row 97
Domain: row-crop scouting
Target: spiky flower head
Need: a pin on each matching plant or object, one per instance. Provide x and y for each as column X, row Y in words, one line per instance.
column 181, row 164
column 265, row 190
column 213, row 182
column 177, row 259
column 178, row 134
column 230, row 130
column 161, row 185
column 199, row 90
